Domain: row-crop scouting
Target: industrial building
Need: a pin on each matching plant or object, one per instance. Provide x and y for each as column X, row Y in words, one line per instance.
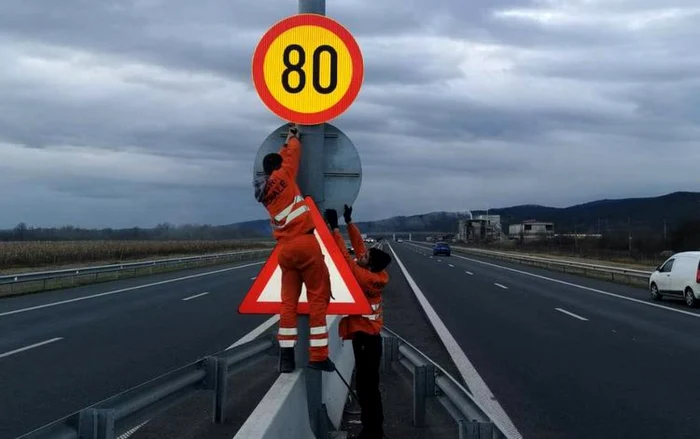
column 482, row 228
column 531, row 230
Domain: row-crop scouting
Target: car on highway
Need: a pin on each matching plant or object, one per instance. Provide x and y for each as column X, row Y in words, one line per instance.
column 678, row 277
column 400, row 240
column 441, row 248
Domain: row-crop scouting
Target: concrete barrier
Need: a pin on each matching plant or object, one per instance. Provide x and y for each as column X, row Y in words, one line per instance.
column 283, row 411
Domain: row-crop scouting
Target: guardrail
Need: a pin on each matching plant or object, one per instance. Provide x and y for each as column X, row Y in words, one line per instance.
column 431, row 381
column 616, row 274
column 56, row 275
column 120, row 413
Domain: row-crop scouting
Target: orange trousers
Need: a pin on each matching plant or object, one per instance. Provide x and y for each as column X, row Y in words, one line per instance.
column 302, row 262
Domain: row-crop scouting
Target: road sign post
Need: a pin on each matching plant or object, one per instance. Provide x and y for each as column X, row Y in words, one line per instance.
column 308, row 69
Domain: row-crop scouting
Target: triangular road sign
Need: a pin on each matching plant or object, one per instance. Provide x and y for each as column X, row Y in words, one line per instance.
column 264, row 297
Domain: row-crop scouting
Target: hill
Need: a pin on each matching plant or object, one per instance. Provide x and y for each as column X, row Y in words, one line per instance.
column 640, row 214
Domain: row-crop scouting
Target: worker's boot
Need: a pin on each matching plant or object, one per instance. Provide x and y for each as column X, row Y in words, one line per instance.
column 325, row 365
column 286, row 360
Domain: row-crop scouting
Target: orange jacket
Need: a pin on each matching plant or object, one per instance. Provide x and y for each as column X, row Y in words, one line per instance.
column 280, row 194
column 371, row 283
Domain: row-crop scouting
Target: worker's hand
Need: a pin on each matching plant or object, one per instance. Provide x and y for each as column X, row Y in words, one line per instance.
column 347, row 214
column 293, row 131
column 332, row 218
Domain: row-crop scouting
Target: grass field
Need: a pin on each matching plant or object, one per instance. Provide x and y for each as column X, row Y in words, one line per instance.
column 31, row 255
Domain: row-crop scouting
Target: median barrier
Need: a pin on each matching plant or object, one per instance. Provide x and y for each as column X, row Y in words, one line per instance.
column 284, row 410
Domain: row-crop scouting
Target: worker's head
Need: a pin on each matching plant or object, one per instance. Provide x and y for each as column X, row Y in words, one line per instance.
column 272, row 162
column 374, row 260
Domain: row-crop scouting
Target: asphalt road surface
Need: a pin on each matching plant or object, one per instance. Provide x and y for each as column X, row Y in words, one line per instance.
column 566, row 356
column 63, row 350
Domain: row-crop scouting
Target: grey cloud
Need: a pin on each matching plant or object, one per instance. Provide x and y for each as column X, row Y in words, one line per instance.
column 166, row 86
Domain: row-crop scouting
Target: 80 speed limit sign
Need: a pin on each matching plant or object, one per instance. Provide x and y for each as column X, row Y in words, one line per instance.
column 307, row 69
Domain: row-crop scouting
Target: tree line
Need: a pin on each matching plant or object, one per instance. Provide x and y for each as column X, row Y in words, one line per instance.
column 162, row 232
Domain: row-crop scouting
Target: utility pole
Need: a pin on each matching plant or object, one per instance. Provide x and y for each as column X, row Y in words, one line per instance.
column 664, row 233
column 629, row 234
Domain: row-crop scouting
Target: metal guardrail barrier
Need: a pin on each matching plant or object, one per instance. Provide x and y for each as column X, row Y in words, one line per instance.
column 120, row 413
column 564, row 265
column 431, row 381
column 43, row 276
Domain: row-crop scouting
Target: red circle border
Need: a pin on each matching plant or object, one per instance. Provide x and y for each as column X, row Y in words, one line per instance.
column 259, row 73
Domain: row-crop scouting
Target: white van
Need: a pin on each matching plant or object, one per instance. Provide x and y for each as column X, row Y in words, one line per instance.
column 678, row 277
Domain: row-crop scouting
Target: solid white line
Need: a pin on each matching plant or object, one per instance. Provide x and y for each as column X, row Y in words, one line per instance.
column 31, row 346
column 594, row 290
column 451, row 265
column 138, row 287
column 572, row 314
column 474, row 381
column 501, row 286
column 469, row 273
column 252, row 335
column 195, row 296
column 253, row 278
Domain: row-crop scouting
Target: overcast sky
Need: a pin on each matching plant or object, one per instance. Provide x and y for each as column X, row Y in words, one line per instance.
column 115, row 113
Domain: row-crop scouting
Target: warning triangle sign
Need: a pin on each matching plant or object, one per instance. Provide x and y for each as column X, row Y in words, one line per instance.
column 265, row 295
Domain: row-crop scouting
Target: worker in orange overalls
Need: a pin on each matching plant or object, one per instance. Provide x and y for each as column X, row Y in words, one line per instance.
column 364, row 330
column 300, row 256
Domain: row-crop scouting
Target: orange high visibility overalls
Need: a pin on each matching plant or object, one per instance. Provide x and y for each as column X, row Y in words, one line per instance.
column 300, row 256
column 370, row 282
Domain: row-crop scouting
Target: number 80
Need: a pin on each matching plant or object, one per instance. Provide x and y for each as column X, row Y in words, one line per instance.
column 316, row 69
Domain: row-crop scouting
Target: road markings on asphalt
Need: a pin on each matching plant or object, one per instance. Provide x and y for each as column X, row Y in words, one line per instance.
column 451, row 265
column 253, row 278
column 501, row 286
column 469, row 273
column 31, row 346
column 572, row 314
column 123, row 290
column 195, row 296
column 255, row 333
column 466, row 369
column 570, row 284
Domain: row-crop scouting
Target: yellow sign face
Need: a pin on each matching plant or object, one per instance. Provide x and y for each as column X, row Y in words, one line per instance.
column 307, row 69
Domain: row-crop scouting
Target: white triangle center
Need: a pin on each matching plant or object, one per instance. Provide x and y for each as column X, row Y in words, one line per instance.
column 273, row 290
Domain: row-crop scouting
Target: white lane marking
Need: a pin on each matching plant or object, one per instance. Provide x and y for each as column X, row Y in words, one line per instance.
column 594, row 290
column 253, row 278
column 469, row 273
column 252, row 335
column 123, row 290
column 476, row 384
column 501, row 286
column 31, row 346
column 572, row 314
column 195, row 296
column 439, row 260
column 451, row 265
column 128, row 434
column 431, row 257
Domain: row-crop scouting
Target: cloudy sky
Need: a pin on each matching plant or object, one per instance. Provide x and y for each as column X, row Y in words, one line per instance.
column 116, row 113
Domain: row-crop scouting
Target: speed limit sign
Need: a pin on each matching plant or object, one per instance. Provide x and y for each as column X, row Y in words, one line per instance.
column 307, row 69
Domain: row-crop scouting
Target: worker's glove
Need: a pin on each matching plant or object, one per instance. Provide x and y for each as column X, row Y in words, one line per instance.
column 293, row 132
column 347, row 214
column 332, row 218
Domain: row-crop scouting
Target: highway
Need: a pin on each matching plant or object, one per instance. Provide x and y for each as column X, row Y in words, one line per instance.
column 566, row 356
column 63, row 350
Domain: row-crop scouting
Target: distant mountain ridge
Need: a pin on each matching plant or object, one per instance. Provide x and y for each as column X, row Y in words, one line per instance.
column 602, row 215
column 651, row 214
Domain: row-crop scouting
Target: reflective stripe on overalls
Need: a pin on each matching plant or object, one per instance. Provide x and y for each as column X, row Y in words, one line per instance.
column 289, row 213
